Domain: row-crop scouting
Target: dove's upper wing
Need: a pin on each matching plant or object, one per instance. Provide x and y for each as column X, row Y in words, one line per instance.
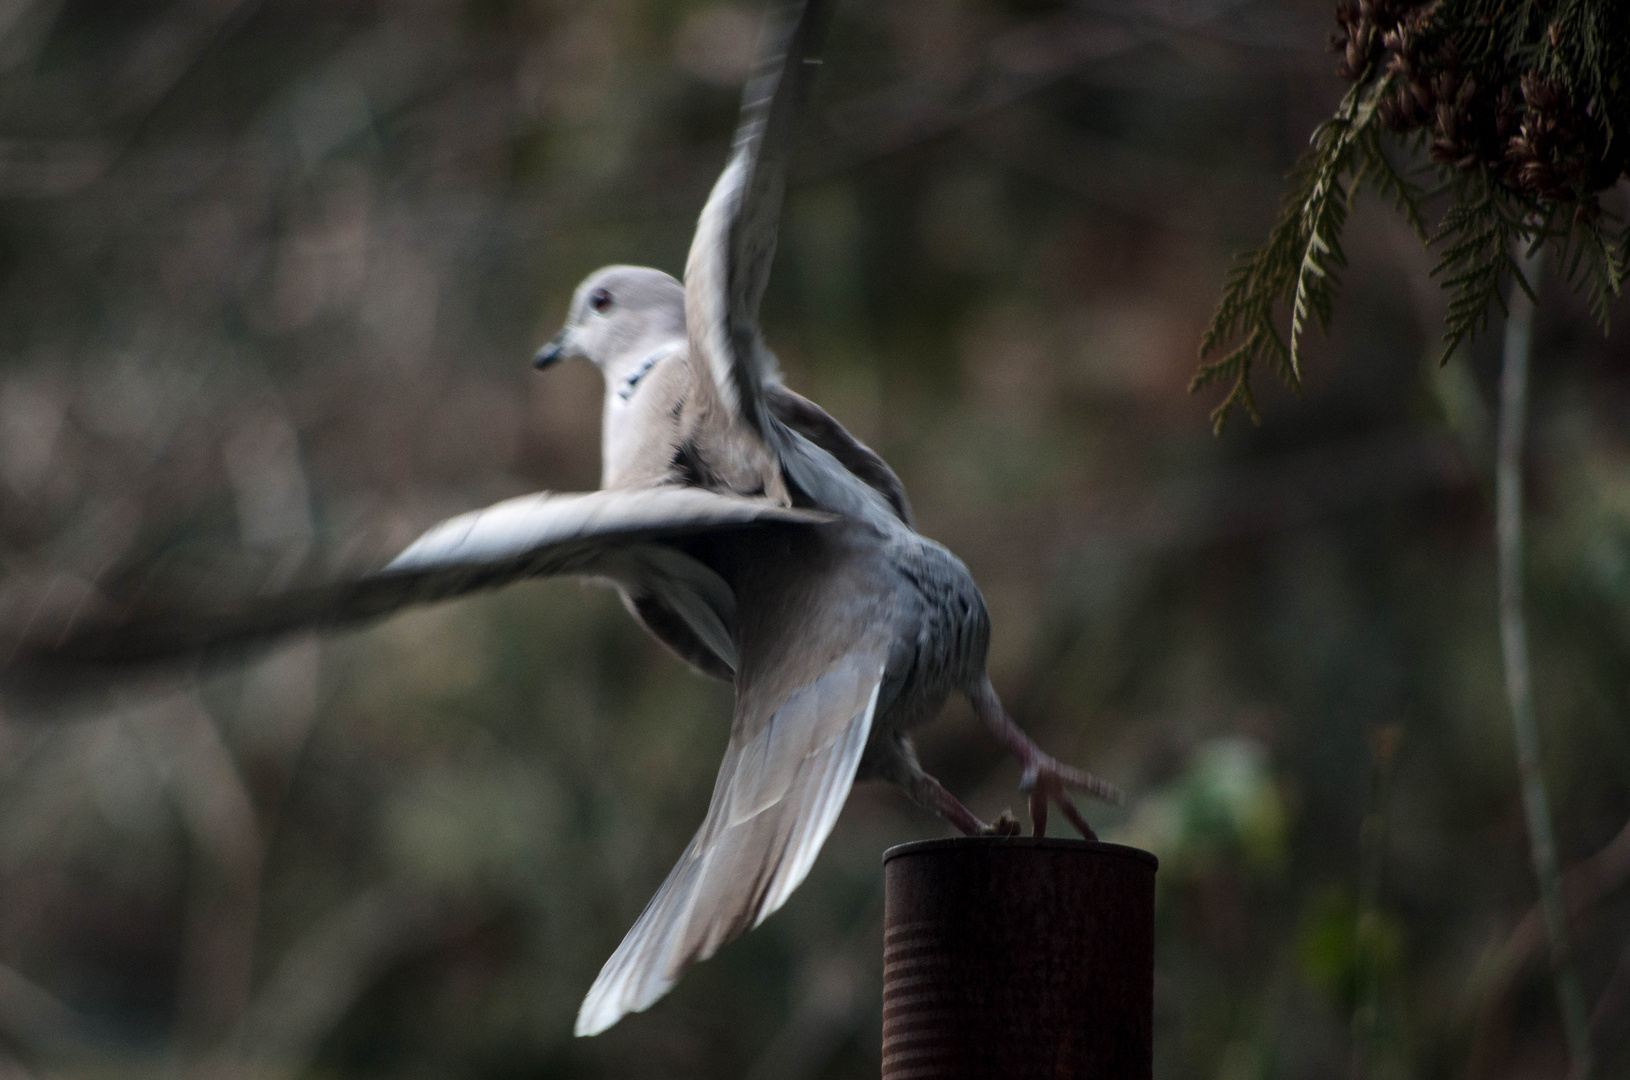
column 815, row 424
column 616, row 534
column 725, row 275
column 784, row 778
column 730, row 256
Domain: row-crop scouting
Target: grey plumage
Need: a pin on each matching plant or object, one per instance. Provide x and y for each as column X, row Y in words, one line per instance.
column 814, row 606
column 744, row 527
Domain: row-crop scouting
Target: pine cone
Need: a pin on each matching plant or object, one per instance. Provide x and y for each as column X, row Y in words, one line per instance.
column 1355, row 41
column 1560, row 153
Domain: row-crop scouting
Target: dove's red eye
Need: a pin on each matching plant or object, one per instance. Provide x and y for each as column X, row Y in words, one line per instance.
column 599, row 300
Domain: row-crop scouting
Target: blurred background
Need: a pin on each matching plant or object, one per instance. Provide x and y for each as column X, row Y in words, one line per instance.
column 271, row 272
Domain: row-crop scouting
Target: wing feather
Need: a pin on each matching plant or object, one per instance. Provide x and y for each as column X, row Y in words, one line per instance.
column 515, row 532
column 730, row 256
column 808, row 419
column 608, row 533
column 778, row 794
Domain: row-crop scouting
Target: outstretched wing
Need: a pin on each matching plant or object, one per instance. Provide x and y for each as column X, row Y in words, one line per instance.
column 617, row 534
column 784, row 779
column 729, row 261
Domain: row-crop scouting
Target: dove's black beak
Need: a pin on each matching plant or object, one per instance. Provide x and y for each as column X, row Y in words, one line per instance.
column 550, row 353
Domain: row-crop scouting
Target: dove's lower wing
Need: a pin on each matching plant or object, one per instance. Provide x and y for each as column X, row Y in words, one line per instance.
column 784, row 778
column 614, row 534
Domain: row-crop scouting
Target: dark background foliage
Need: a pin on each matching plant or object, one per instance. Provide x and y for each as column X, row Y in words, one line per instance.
column 270, row 274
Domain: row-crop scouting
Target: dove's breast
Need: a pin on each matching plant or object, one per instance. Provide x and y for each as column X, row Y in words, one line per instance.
column 641, row 428
column 942, row 632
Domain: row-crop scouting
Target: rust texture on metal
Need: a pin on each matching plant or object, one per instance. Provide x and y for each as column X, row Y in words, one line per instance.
column 1018, row 957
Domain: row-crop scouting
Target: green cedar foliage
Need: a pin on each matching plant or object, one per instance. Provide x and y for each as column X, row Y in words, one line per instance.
column 1516, row 113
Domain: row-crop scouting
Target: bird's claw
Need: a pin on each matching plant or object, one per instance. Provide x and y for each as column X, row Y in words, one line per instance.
column 1068, row 778
column 1004, row 825
column 1045, row 779
column 1048, row 781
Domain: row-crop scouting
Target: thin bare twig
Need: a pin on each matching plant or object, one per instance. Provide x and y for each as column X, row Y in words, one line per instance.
column 1194, row 198
column 1584, row 886
column 223, row 905
column 1015, row 66
column 1606, row 1027
column 1508, row 505
column 1366, row 1020
column 322, row 974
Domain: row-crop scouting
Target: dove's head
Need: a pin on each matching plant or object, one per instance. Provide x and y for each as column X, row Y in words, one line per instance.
column 619, row 315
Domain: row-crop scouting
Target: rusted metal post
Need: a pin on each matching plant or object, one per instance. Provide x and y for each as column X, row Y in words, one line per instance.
column 1009, row 957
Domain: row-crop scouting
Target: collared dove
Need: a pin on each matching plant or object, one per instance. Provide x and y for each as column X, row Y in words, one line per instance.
column 629, row 321
column 748, row 531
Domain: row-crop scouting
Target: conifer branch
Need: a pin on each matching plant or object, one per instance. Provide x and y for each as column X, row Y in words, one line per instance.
column 1523, row 115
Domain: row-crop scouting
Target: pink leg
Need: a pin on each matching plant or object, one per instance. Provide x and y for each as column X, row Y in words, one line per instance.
column 949, row 807
column 1038, row 811
column 930, row 794
column 1045, row 779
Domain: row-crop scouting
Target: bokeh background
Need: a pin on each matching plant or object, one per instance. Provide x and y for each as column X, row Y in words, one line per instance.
column 271, row 272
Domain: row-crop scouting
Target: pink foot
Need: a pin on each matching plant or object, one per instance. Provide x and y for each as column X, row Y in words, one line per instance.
column 1045, row 779
column 1050, row 782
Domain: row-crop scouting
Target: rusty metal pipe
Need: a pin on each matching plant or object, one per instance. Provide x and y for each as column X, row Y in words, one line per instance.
column 1018, row 957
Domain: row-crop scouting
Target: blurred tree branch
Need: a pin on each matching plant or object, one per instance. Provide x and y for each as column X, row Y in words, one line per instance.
column 1584, row 886
column 1514, row 644
column 1177, row 195
column 1014, row 66
column 223, row 905
column 169, row 51
column 1368, row 933
column 323, row 973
